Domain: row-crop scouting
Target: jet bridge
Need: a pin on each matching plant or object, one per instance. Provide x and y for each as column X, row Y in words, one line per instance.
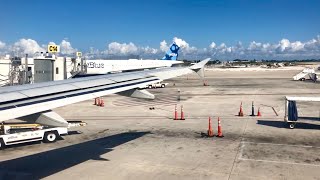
column 291, row 112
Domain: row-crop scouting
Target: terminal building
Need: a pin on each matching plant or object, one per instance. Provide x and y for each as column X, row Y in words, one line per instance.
column 43, row 68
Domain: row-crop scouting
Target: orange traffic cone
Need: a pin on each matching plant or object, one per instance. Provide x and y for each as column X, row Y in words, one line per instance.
column 175, row 113
column 219, row 129
column 210, row 131
column 98, row 101
column 101, row 103
column 205, row 83
column 241, row 111
column 182, row 114
column 259, row 113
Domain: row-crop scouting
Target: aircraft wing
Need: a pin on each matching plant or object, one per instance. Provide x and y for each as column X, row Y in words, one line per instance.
column 35, row 101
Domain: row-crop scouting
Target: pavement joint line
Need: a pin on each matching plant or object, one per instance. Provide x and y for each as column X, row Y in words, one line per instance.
column 241, row 145
column 269, row 161
column 239, row 152
column 275, row 144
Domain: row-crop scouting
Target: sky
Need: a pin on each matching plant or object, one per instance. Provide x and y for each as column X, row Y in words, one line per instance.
column 220, row 29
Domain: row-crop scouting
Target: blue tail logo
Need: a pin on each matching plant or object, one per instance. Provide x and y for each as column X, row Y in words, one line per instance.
column 172, row 54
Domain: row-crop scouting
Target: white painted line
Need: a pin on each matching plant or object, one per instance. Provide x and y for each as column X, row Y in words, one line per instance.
column 241, row 150
column 268, row 161
column 247, row 142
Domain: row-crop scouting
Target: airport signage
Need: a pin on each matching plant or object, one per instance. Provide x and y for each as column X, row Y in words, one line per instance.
column 53, row 48
column 79, row 54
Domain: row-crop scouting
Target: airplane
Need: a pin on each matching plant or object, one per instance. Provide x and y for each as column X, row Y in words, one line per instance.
column 95, row 67
column 34, row 102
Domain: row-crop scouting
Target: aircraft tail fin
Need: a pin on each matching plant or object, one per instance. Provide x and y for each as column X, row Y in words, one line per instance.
column 172, row 53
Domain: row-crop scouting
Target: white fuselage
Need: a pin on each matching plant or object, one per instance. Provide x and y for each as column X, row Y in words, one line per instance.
column 107, row 66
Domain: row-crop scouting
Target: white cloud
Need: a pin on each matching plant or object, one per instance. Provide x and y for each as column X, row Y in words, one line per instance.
column 212, row 45
column 254, row 46
column 26, row 46
column 286, row 47
column 297, row 46
column 185, row 47
column 284, row 44
column 164, row 46
column 148, row 50
column 31, row 47
column 122, row 49
column 180, row 42
column 2, row 45
column 283, row 49
column 66, row 48
column 222, row 46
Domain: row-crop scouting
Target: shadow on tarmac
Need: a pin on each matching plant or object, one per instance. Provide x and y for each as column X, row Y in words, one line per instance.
column 44, row 164
column 282, row 124
column 310, row 118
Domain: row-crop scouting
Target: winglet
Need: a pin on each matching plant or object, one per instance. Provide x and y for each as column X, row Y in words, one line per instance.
column 199, row 67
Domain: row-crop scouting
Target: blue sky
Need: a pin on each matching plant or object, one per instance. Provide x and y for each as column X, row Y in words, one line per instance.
column 97, row 23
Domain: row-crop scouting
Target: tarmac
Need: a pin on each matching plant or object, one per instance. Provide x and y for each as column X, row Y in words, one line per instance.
column 138, row 139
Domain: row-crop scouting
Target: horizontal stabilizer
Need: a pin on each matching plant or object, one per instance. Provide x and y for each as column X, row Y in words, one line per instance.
column 143, row 94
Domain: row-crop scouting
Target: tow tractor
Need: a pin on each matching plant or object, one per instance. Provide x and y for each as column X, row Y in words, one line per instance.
column 16, row 133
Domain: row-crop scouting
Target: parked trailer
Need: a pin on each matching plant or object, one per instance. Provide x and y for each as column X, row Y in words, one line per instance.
column 18, row 133
column 291, row 112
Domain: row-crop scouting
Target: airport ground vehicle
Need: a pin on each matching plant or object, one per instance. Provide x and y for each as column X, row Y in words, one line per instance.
column 157, row 85
column 307, row 72
column 291, row 110
column 17, row 133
